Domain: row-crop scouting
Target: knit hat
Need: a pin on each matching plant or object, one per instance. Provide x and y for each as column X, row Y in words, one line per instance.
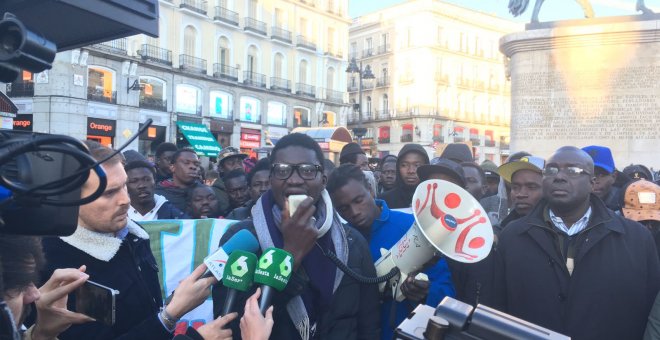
column 458, row 152
column 490, row 169
column 132, row 155
column 642, row 201
column 441, row 165
column 602, row 157
column 350, row 149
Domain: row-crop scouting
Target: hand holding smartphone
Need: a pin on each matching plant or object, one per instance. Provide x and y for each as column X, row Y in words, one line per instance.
column 96, row 301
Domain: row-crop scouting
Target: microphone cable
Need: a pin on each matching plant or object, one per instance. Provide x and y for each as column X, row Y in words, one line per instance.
column 357, row 276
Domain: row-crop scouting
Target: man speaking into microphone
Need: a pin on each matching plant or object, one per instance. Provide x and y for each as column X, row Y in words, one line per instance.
column 319, row 300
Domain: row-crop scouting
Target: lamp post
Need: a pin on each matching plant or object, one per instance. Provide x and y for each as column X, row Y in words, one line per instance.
column 365, row 73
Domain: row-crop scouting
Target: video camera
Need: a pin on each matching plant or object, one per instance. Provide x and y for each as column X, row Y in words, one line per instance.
column 455, row 320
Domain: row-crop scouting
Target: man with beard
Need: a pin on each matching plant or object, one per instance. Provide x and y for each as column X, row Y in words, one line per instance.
column 164, row 153
column 145, row 205
column 319, row 301
column 411, row 157
column 185, row 173
column 202, row 202
column 574, row 266
column 387, row 174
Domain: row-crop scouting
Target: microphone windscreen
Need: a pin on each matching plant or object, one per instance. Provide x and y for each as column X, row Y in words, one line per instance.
column 242, row 240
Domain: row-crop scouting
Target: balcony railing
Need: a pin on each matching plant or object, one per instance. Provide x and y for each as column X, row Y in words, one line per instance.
column 225, row 72
column 99, row 95
column 311, row 3
column 334, row 96
column 305, row 90
column 280, row 84
column 439, row 139
column 368, row 52
column 489, row 143
column 114, row 46
column 382, row 49
column 225, row 15
column 157, row 104
column 407, row 138
column 383, row 81
column 155, row 54
column 281, row 34
column 383, row 115
column 352, row 87
column 255, row 26
column 192, row 64
column 475, row 141
column 254, row 79
column 20, row 90
column 302, row 41
column 197, row 6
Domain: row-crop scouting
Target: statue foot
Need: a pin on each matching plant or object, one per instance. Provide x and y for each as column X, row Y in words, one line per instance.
column 642, row 8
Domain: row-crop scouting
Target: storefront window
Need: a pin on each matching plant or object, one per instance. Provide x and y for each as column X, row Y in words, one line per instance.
column 221, row 105
column 406, row 133
column 329, row 119
column 300, row 117
column 101, row 85
column 384, row 134
column 276, row 113
column 188, row 100
column 153, row 94
column 250, row 110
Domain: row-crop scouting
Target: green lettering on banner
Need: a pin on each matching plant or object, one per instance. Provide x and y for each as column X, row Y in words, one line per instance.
column 155, row 231
column 202, row 241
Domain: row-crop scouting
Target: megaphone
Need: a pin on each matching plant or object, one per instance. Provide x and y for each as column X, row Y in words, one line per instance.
column 447, row 220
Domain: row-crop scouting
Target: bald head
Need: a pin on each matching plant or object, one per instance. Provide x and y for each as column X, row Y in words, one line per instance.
column 567, row 189
column 577, row 155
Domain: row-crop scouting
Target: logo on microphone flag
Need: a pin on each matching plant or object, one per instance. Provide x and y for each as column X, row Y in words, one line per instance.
column 275, row 267
column 239, row 272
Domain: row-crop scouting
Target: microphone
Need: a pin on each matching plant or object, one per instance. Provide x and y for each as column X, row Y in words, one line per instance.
column 238, row 276
column 215, row 263
column 273, row 272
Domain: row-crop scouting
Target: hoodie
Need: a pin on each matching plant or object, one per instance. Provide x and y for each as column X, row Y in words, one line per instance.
column 163, row 210
column 222, row 196
column 401, row 195
column 172, row 193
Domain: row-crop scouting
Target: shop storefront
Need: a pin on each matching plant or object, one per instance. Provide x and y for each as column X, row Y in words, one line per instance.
column 101, row 130
column 250, row 140
column 23, row 122
column 222, row 131
column 199, row 138
column 151, row 138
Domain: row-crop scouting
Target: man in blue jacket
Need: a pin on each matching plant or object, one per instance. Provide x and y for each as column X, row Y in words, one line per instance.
column 383, row 228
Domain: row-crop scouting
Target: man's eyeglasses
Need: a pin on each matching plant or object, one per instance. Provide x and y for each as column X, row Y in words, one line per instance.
column 570, row 171
column 305, row 171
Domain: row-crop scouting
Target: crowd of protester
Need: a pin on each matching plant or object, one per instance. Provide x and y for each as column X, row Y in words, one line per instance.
column 576, row 251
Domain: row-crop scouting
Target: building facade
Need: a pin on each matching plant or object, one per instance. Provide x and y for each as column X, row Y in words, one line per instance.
column 249, row 70
column 438, row 78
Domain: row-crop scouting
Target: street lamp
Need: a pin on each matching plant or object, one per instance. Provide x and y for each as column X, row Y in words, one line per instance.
column 365, row 73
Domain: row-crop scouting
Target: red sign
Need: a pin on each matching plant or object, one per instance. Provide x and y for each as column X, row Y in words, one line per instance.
column 249, row 144
column 250, row 137
column 324, row 145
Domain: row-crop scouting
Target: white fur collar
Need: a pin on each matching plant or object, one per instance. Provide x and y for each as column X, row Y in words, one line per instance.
column 99, row 245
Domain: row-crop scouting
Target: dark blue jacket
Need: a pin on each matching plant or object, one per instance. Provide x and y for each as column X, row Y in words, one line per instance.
column 615, row 279
column 386, row 230
column 133, row 272
column 168, row 211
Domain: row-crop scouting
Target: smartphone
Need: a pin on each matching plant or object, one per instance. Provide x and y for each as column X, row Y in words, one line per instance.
column 294, row 202
column 97, row 301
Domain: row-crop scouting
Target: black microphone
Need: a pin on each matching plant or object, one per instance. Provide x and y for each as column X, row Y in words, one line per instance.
column 273, row 273
column 237, row 277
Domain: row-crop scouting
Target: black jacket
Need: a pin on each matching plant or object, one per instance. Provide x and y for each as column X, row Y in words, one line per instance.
column 242, row 213
column 353, row 313
column 222, row 196
column 401, row 195
column 133, row 272
column 168, row 211
column 609, row 295
column 174, row 194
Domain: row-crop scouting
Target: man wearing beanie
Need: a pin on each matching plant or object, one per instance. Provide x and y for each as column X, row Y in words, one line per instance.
column 352, row 153
column 411, row 157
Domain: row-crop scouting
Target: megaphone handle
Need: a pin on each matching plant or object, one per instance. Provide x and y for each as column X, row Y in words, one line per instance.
column 396, row 286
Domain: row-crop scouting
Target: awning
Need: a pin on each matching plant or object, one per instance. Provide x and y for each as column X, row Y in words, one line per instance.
column 200, row 138
column 329, row 138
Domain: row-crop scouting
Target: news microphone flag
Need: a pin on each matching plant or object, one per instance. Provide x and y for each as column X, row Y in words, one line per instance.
column 238, row 276
column 273, row 272
column 242, row 240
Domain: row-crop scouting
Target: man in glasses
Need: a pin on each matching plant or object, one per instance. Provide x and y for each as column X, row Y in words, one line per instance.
column 574, row 266
column 319, row 301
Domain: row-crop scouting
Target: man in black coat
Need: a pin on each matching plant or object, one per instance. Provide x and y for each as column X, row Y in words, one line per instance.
column 411, row 157
column 574, row 266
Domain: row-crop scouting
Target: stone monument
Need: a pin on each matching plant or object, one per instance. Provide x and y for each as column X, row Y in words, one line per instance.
column 586, row 82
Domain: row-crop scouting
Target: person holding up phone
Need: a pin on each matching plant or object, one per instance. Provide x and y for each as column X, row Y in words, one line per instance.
column 117, row 254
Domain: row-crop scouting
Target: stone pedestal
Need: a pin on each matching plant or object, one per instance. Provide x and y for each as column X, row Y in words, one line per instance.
column 587, row 82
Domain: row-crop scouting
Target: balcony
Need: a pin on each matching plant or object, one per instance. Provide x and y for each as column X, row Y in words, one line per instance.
column 254, row 79
column 280, row 84
column 117, row 46
column 490, row 143
column 475, row 141
column 383, row 115
column 407, row 138
column 303, row 42
column 439, row 139
column 256, row 26
column 192, row 64
column 305, row 90
column 368, row 52
column 352, row 88
column 226, row 16
column 382, row 49
column 367, row 84
column 98, row 95
column 197, row 6
column 150, row 103
column 310, row 3
column 277, row 33
column 222, row 71
column 383, row 81
column 20, row 89
column 334, row 96
column 155, row 54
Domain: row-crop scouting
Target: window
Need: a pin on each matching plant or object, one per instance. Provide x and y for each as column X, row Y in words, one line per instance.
column 474, row 136
column 189, row 41
column 252, row 9
column 250, row 109
column 277, row 69
column 223, row 51
column 279, row 18
column 440, row 36
column 221, row 105
column 300, row 117
column 385, row 104
column 384, row 40
column 302, row 72
column 368, row 111
column 303, row 27
column 153, row 94
column 353, row 49
column 188, row 100
column 251, row 65
column 101, row 84
column 490, row 140
column 458, row 134
column 437, row 131
column 276, row 114
column 331, row 78
column 369, row 44
column 406, row 133
column 384, row 134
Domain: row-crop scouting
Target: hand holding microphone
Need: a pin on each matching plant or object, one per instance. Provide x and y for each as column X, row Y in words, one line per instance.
column 298, row 231
column 255, row 326
column 237, row 277
column 273, row 273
